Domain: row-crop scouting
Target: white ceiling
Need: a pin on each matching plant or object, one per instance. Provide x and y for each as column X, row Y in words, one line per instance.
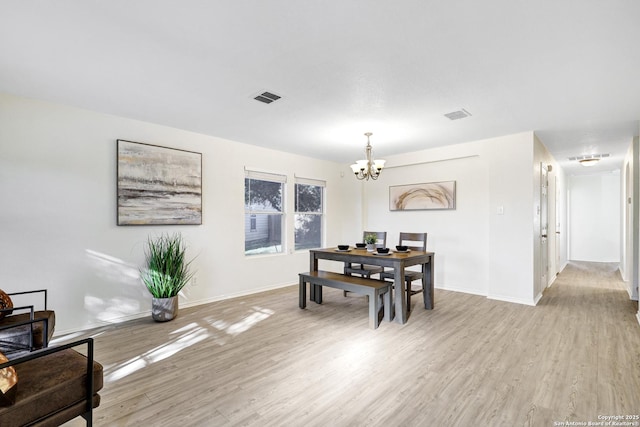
column 569, row 70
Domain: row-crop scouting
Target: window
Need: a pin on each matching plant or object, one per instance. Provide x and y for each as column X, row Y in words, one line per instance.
column 263, row 216
column 309, row 207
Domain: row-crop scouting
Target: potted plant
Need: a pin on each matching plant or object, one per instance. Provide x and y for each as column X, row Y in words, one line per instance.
column 371, row 240
column 165, row 274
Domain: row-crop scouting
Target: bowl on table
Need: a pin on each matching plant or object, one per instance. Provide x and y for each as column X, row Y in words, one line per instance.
column 383, row 250
column 361, row 245
column 343, row 247
column 402, row 248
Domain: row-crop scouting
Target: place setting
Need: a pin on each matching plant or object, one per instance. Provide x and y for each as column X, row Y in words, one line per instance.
column 382, row 252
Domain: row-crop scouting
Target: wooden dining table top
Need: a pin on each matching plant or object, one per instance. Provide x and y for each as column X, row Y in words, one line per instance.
column 396, row 260
column 358, row 255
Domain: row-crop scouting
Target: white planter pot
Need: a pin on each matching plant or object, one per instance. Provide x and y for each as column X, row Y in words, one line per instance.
column 164, row 309
column 371, row 247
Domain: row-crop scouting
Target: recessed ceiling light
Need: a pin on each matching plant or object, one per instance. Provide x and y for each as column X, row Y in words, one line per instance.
column 589, row 162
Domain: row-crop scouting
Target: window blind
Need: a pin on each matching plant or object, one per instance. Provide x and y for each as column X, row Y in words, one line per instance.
column 265, row 176
column 309, row 181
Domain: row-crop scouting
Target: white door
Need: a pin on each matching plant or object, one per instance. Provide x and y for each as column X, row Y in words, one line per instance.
column 544, row 226
column 558, row 227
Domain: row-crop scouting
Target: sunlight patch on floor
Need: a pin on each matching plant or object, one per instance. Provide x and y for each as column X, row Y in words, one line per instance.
column 355, row 352
column 73, row 336
column 191, row 335
column 252, row 318
column 187, row 336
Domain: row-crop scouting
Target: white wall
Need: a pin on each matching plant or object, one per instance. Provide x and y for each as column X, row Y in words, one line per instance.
column 512, row 275
column 449, row 231
column 477, row 250
column 58, row 218
column 58, row 213
column 594, row 217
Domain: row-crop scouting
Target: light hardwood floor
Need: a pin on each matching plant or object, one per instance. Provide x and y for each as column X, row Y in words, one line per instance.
column 261, row 361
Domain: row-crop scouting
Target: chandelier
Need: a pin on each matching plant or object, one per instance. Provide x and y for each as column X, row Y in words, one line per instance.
column 368, row 168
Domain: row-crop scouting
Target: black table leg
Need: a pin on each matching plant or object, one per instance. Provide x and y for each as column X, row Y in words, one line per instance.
column 302, row 291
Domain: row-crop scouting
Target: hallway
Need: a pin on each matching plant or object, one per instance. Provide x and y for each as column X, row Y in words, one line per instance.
column 599, row 329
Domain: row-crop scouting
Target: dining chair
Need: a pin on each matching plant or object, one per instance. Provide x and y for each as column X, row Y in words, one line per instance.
column 414, row 242
column 363, row 269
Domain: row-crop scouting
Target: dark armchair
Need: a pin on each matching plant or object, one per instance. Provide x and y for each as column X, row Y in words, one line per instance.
column 16, row 336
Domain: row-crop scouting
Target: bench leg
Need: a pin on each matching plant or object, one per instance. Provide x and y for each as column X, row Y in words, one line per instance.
column 315, row 293
column 374, row 309
column 302, row 293
column 388, row 308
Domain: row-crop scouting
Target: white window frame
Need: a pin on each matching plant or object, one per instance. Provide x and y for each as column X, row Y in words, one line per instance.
column 271, row 177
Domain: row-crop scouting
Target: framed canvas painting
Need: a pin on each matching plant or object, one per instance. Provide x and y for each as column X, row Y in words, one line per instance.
column 428, row 196
column 158, row 185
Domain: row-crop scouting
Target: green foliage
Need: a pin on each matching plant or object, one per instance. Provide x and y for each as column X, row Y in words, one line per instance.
column 370, row 239
column 308, row 198
column 262, row 195
column 167, row 270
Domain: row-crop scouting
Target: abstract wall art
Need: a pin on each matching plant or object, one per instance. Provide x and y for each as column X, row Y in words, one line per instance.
column 158, row 185
column 429, row 196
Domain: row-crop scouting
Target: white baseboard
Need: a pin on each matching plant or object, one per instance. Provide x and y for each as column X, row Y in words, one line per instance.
column 71, row 333
column 563, row 266
column 638, row 316
column 537, row 299
column 233, row 295
column 552, row 280
column 512, row 299
column 493, row 297
column 460, row 289
column 622, row 273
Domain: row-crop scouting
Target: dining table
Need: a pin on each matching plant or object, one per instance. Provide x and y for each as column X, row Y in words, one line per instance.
column 396, row 260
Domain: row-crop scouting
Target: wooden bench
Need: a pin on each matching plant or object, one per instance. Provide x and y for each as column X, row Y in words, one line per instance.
column 360, row 285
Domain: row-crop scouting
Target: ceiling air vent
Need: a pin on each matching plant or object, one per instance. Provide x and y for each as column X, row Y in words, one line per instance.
column 460, row 114
column 589, row 159
column 267, row 97
column 589, row 156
